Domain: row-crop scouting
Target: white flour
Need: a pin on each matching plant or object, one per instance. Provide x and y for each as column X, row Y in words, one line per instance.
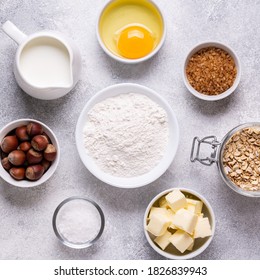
column 127, row 134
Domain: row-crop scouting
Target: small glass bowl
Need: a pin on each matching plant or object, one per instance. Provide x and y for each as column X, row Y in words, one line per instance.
column 68, row 243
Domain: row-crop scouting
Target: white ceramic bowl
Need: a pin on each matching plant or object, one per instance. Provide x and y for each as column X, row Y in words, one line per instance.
column 126, row 60
column 25, row 183
column 171, row 149
column 227, row 92
column 200, row 244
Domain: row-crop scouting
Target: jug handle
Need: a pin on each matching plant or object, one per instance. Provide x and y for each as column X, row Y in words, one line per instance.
column 13, row 32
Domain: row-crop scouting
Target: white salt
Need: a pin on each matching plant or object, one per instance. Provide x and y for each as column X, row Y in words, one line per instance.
column 78, row 221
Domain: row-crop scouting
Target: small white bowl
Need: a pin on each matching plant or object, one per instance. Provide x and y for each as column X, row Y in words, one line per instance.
column 170, row 152
column 25, row 183
column 227, row 92
column 127, row 60
column 200, row 244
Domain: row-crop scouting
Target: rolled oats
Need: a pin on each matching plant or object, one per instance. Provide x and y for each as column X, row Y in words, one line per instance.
column 241, row 159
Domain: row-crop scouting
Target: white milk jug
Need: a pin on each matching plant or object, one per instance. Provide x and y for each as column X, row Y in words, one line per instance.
column 47, row 65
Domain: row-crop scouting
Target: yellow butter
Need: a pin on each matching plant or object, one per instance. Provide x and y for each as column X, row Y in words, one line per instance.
column 171, row 215
column 176, row 200
column 203, row 228
column 185, row 220
column 158, row 210
column 191, row 247
column 158, row 224
column 194, row 206
column 181, row 240
column 163, row 241
column 163, row 203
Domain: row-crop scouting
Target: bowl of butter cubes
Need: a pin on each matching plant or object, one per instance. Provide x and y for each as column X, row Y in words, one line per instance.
column 179, row 223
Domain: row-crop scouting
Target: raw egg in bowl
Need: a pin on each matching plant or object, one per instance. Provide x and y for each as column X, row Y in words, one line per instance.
column 131, row 31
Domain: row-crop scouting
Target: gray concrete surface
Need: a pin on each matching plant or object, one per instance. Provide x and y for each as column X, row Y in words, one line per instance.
column 26, row 214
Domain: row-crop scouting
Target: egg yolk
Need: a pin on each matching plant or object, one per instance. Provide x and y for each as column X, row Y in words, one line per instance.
column 135, row 42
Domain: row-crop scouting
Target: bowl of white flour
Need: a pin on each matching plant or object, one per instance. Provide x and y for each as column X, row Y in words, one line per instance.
column 127, row 135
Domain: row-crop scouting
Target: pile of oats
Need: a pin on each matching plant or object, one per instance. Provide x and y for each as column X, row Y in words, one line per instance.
column 241, row 159
column 211, row 71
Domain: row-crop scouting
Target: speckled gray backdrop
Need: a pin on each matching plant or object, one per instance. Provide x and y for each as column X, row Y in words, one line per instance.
column 26, row 214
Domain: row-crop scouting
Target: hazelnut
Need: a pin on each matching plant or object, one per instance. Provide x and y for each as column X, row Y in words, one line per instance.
column 9, row 143
column 34, row 129
column 45, row 134
column 25, row 146
column 33, row 156
column 34, row 172
column 6, row 164
column 17, row 173
column 46, row 164
column 50, row 153
column 17, row 157
column 2, row 154
column 21, row 133
column 39, row 142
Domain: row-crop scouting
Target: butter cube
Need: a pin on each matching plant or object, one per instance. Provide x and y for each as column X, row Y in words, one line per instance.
column 158, row 224
column 185, row 220
column 171, row 215
column 194, row 206
column 181, row 240
column 158, row 210
column 163, row 241
column 163, row 203
column 202, row 228
column 176, row 200
column 191, row 246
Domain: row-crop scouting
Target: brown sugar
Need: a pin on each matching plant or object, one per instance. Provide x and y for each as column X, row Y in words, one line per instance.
column 211, row 71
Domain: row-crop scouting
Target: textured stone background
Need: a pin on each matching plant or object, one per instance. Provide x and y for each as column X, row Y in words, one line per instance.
column 26, row 214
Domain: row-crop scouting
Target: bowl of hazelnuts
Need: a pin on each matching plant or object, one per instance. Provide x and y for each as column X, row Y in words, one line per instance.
column 29, row 153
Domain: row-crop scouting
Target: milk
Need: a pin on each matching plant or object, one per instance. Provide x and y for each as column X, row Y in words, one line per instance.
column 45, row 62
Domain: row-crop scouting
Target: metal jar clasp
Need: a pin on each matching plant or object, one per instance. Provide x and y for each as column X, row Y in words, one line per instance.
column 196, row 146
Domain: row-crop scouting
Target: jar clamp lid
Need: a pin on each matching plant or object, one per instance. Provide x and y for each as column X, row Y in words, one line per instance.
column 196, row 144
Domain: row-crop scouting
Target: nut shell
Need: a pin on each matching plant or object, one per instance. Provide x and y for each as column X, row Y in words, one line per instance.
column 9, row 144
column 34, row 129
column 17, row 157
column 25, row 146
column 50, row 153
column 39, row 142
column 46, row 164
column 3, row 154
column 6, row 163
column 17, row 173
column 34, row 172
column 21, row 133
column 45, row 134
column 33, row 156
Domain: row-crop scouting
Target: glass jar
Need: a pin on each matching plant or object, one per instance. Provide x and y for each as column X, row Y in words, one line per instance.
column 217, row 154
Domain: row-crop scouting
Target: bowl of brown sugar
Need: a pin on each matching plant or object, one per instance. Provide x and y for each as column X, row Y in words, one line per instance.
column 211, row 71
